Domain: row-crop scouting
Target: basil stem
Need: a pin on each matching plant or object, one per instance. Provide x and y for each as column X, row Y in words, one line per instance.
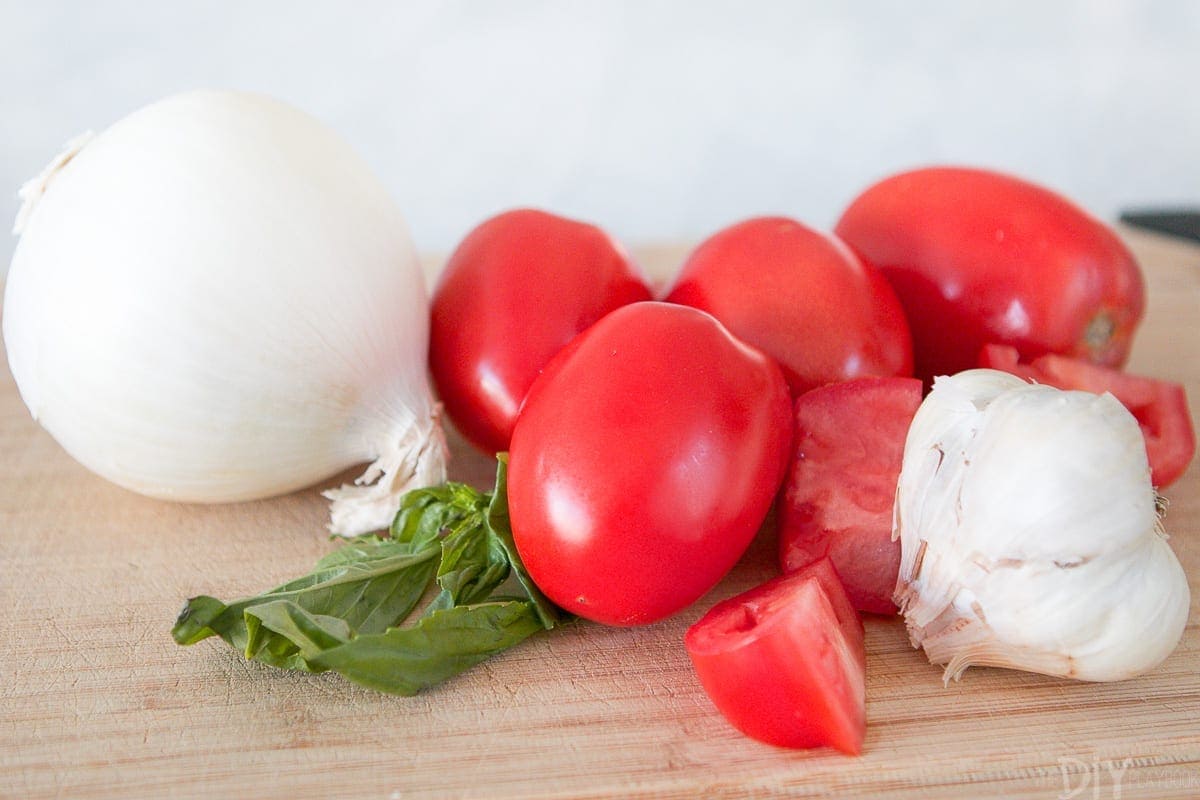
column 349, row 614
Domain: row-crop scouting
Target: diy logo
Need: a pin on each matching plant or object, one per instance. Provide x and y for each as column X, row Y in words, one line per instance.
column 1078, row 776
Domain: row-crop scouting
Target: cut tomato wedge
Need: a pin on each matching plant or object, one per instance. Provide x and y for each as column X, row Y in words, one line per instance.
column 785, row 662
column 1160, row 407
column 841, row 484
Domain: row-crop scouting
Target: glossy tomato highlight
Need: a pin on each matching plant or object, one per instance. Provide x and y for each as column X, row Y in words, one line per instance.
column 841, row 484
column 643, row 462
column 977, row 257
column 800, row 296
column 515, row 291
column 785, row 662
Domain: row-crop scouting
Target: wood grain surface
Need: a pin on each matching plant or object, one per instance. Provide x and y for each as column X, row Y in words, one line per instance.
column 96, row 700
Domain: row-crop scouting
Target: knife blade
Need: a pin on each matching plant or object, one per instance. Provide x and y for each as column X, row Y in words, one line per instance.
column 1183, row 222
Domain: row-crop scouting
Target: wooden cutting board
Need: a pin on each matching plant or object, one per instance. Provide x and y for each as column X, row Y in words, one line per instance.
column 96, row 700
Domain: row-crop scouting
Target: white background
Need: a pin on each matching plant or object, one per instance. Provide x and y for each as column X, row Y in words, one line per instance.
column 657, row 120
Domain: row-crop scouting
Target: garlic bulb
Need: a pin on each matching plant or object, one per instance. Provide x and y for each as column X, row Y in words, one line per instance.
column 1030, row 535
column 215, row 300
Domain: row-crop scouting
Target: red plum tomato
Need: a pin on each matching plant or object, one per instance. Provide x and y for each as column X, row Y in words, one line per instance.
column 802, row 297
column 978, row 257
column 645, row 459
column 1160, row 407
column 515, row 291
column 785, row 662
column 841, row 484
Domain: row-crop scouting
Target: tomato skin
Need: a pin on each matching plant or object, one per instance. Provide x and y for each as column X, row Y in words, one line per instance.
column 785, row 662
column 644, row 461
column 802, row 297
column 517, row 289
column 978, row 257
column 1160, row 407
column 841, row 484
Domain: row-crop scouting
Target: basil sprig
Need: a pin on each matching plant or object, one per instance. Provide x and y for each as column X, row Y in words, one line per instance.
column 348, row 615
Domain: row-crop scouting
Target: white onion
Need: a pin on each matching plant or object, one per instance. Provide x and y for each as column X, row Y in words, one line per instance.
column 215, row 300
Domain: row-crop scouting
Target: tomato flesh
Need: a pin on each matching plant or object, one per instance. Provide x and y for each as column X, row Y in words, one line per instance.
column 978, row 257
column 646, row 457
column 1160, row 407
column 785, row 662
column 802, row 297
column 841, row 484
column 515, row 291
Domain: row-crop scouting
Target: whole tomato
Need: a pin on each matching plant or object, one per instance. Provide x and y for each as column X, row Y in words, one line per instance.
column 800, row 296
column 515, row 291
column 979, row 258
column 643, row 462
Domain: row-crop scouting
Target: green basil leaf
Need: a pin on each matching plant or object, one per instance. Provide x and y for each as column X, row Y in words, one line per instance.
column 309, row 634
column 358, row 549
column 500, row 527
column 425, row 513
column 372, row 586
column 406, row 660
column 348, row 613
column 198, row 620
column 473, row 564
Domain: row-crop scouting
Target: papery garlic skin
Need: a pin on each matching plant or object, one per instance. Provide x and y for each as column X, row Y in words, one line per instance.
column 215, row 300
column 1030, row 536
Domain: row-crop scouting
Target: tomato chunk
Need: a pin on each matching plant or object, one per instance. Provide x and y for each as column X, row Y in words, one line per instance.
column 841, row 484
column 1160, row 407
column 785, row 662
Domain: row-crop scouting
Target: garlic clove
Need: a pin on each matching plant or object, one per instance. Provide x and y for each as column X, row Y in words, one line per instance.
column 1029, row 534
